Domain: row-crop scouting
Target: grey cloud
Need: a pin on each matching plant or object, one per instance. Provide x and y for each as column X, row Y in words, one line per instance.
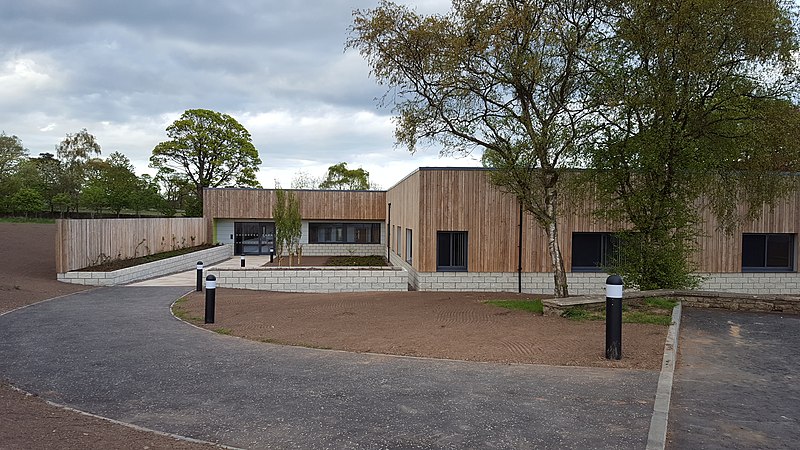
column 130, row 63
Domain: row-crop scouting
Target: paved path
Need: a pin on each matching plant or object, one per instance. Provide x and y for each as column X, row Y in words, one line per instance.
column 118, row 352
column 737, row 384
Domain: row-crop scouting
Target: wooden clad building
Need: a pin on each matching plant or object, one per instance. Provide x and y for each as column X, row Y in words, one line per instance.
column 450, row 228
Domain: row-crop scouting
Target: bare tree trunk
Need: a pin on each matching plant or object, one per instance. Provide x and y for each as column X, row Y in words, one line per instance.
column 560, row 288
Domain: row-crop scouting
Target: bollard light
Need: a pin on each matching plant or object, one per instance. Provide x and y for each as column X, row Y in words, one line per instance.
column 614, row 317
column 241, row 261
column 199, row 276
column 211, row 294
column 271, row 254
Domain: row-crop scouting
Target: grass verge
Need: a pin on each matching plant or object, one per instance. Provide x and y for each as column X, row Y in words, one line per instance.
column 26, row 220
column 657, row 311
column 180, row 313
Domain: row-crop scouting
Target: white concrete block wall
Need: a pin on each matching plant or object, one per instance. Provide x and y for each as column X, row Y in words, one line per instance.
column 784, row 283
column 587, row 283
column 397, row 261
column 321, row 279
column 150, row 270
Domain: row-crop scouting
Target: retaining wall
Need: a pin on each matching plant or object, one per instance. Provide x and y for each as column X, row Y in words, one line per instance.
column 146, row 271
column 789, row 304
column 313, row 279
column 588, row 283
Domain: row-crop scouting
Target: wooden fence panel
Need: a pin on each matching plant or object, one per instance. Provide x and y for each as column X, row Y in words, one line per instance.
column 86, row 242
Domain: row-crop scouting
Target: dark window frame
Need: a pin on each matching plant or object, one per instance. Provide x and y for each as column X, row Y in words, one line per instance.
column 765, row 266
column 329, row 230
column 458, row 251
column 606, row 248
column 409, row 249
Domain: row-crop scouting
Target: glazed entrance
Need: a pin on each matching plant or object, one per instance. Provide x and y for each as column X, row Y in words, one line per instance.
column 253, row 238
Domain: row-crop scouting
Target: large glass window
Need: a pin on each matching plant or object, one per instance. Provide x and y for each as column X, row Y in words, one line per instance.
column 408, row 246
column 767, row 252
column 590, row 251
column 451, row 251
column 344, row 233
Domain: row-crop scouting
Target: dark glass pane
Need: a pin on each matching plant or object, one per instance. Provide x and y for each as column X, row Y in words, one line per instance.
column 753, row 250
column 376, row 233
column 443, row 250
column 313, row 233
column 459, row 250
column 587, row 250
column 610, row 249
column 779, row 250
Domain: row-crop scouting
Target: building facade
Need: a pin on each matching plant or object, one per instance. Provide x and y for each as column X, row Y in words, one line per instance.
column 450, row 229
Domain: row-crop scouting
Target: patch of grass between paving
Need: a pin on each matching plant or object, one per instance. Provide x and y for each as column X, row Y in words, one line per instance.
column 182, row 314
column 533, row 306
column 222, row 330
column 657, row 311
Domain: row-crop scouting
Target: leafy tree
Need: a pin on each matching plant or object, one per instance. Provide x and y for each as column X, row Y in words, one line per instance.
column 27, row 201
column 288, row 223
column 74, row 153
column 12, row 158
column 145, row 195
column 120, row 182
column 696, row 107
column 93, row 196
column 209, row 149
column 509, row 78
column 49, row 179
column 61, row 202
column 178, row 192
column 12, row 154
column 304, row 180
column 339, row 177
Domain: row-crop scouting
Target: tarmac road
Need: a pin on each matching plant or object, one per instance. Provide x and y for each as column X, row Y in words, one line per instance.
column 737, row 383
column 118, row 352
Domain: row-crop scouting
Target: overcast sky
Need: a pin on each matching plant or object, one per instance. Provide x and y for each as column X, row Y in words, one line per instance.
column 126, row 70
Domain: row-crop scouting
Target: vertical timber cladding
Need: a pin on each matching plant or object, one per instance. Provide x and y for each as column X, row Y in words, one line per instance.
column 85, row 242
column 257, row 204
column 406, row 211
column 720, row 253
column 465, row 200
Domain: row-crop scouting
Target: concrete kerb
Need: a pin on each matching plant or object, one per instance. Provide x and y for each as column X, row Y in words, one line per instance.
column 657, row 437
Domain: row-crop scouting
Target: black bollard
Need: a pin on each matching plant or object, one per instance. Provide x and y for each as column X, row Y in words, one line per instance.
column 199, row 276
column 614, row 317
column 211, row 297
column 271, row 254
column 241, row 261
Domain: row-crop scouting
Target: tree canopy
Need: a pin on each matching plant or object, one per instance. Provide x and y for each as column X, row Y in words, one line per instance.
column 340, row 177
column 667, row 101
column 508, row 78
column 695, row 100
column 210, row 149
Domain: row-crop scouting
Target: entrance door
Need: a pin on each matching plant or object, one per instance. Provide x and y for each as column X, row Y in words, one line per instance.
column 253, row 238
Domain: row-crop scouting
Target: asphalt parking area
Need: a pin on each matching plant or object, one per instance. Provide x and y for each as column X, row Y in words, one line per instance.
column 117, row 352
column 737, row 383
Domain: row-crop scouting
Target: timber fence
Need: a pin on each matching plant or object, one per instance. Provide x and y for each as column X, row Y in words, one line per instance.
column 87, row 242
